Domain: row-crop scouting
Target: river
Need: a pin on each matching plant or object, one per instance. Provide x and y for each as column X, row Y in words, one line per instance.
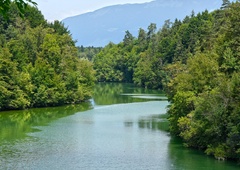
column 122, row 127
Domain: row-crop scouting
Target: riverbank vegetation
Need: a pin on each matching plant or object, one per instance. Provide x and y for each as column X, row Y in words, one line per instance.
column 39, row 64
column 197, row 62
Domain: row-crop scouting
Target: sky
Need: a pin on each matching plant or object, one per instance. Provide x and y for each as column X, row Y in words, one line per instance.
column 60, row 9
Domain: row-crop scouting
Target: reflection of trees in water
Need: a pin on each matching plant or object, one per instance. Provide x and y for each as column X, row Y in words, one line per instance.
column 154, row 122
column 113, row 93
column 107, row 93
column 185, row 158
column 15, row 124
column 110, row 93
column 128, row 124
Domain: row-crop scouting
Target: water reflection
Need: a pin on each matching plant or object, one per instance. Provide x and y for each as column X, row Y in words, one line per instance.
column 16, row 124
column 185, row 158
column 115, row 93
column 154, row 122
column 128, row 123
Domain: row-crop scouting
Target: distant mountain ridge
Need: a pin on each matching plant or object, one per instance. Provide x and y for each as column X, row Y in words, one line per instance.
column 107, row 24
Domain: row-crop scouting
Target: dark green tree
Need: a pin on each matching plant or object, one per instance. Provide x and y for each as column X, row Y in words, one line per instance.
column 21, row 4
column 225, row 4
column 59, row 27
column 128, row 39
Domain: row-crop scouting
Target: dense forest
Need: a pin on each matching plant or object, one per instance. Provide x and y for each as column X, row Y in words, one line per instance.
column 88, row 52
column 39, row 63
column 197, row 62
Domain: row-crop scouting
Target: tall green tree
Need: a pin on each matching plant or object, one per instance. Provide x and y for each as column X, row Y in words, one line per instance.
column 128, row 39
column 12, row 96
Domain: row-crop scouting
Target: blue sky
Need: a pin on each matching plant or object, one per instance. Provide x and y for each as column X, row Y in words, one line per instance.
column 60, row 9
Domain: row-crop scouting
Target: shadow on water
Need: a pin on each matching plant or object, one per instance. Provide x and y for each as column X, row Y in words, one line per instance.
column 154, row 122
column 115, row 93
column 16, row 124
column 185, row 158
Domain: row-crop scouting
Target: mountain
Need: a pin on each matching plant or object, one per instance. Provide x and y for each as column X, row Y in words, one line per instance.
column 107, row 24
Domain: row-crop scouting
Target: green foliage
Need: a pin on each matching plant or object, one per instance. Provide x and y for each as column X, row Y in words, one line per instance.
column 110, row 64
column 204, row 110
column 22, row 5
column 59, row 27
column 88, row 52
column 34, row 17
column 39, row 64
column 128, row 39
column 205, row 95
column 152, row 51
column 11, row 95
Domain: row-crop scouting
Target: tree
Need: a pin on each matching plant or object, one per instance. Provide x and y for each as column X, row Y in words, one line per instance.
column 225, row 4
column 151, row 31
column 199, row 76
column 59, row 27
column 109, row 64
column 12, row 96
column 142, row 39
column 128, row 38
column 143, row 73
column 34, row 16
column 232, row 35
column 21, row 4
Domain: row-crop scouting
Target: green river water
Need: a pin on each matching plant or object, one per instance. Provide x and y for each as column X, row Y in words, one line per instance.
column 122, row 127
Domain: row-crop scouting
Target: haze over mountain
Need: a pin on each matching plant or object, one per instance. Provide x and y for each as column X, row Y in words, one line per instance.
column 107, row 24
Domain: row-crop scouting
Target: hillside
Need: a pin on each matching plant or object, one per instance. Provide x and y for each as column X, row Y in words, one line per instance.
column 107, row 24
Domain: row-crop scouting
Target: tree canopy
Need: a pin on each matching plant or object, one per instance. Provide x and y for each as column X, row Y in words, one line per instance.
column 39, row 64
